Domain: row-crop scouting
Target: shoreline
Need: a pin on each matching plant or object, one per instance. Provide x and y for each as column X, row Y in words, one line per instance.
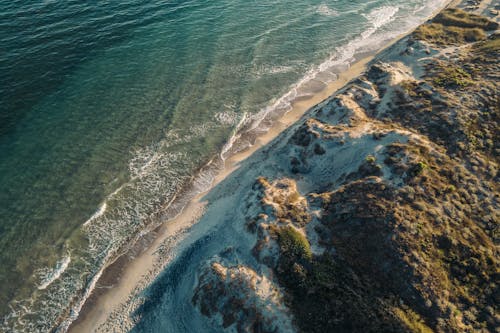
column 127, row 271
column 135, row 269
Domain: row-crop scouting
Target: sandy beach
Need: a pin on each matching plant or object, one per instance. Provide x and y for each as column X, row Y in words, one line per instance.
column 132, row 272
column 139, row 266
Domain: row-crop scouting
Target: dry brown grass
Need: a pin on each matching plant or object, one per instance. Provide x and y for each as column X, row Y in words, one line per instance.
column 448, row 35
column 490, row 46
column 412, row 320
column 459, row 18
column 455, row 26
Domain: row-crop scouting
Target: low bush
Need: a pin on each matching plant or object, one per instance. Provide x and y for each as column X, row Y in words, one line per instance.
column 490, row 46
column 370, row 159
column 453, row 77
column 293, row 244
column 459, row 18
column 448, row 35
column 412, row 320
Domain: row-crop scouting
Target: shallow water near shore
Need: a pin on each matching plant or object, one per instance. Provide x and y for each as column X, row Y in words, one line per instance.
column 109, row 109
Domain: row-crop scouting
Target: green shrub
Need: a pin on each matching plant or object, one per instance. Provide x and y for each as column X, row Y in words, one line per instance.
column 294, row 244
column 419, row 168
column 451, row 188
column 453, row 77
column 370, row 159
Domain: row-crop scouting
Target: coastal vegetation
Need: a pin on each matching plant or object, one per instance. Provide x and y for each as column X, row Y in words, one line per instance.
column 460, row 18
column 454, row 26
column 446, row 35
column 293, row 244
column 396, row 229
column 453, row 77
column 490, row 46
column 376, row 211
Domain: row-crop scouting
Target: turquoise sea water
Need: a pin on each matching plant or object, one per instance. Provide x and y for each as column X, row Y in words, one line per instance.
column 108, row 109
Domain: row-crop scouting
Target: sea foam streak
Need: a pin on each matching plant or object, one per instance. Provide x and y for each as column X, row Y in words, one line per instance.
column 97, row 214
column 381, row 16
column 49, row 276
column 342, row 57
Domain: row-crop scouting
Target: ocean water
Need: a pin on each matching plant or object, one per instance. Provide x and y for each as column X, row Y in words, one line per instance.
column 109, row 109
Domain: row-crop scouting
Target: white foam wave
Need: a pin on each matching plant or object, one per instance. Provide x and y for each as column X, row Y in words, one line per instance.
column 341, row 57
column 226, row 117
column 235, row 135
column 100, row 211
column 49, row 276
column 381, row 16
column 63, row 327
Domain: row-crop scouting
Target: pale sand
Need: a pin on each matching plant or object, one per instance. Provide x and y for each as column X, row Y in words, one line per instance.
column 138, row 271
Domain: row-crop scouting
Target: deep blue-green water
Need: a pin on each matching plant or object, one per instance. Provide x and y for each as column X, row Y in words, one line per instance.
column 108, row 109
